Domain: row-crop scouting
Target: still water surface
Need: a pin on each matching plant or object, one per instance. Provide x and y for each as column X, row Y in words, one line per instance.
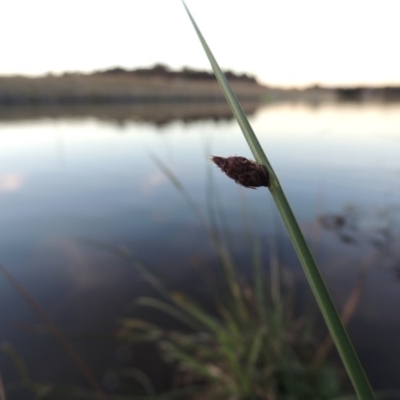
column 67, row 180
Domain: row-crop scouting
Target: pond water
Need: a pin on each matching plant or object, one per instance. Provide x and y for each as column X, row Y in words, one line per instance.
column 68, row 180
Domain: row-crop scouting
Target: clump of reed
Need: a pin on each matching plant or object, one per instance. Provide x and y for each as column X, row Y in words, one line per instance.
column 250, row 346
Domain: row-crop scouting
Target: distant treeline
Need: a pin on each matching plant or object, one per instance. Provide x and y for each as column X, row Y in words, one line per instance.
column 366, row 93
column 318, row 93
column 162, row 71
column 143, row 85
column 160, row 84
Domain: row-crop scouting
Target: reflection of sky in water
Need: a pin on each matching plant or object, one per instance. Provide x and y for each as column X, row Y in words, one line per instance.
column 63, row 180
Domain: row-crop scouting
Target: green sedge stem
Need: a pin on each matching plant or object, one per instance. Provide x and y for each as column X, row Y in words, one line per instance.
column 319, row 289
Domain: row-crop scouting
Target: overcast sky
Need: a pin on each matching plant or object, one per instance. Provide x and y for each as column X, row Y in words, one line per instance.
column 292, row 42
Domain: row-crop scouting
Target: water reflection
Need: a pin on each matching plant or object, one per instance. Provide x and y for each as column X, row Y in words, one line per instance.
column 156, row 113
column 10, row 182
column 376, row 230
column 70, row 175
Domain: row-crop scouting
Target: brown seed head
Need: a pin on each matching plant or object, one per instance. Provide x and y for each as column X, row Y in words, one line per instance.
column 243, row 171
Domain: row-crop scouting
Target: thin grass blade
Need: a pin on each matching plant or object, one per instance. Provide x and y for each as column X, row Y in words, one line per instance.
column 189, row 320
column 325, row 303
column 224, row 255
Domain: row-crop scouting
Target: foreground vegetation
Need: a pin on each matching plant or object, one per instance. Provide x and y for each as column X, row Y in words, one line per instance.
column 252, row 346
